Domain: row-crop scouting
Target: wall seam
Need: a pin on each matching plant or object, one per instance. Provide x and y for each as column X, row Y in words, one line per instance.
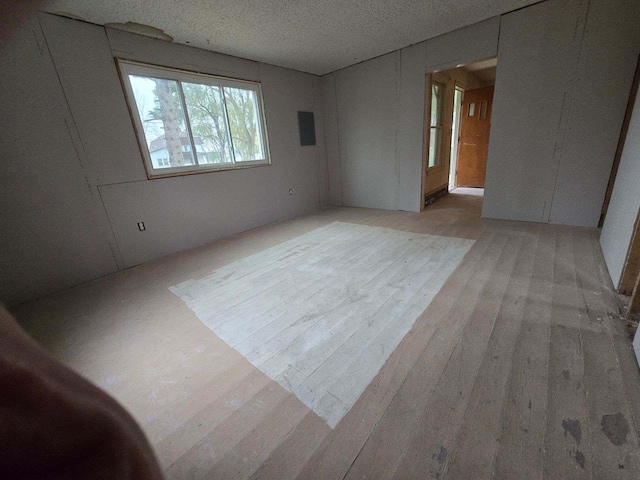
column 83, row 159
column 335, row 89
column 559, row 146
column 324, row 139
column 317, row 87
column 326, row 133
column 397, row 123
column 113, row 233
column 273, row 180
column 482, row 212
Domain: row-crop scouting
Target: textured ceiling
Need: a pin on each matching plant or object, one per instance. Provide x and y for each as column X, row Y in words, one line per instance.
column 316, row 36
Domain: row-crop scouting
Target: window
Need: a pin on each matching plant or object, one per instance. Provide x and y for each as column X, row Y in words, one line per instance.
column 189, row 122
column 437, row 124
column 483, row 110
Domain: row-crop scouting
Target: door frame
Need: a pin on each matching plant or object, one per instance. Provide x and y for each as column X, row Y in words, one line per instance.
column 457, row 140
column 447, row 116
column 621, row 141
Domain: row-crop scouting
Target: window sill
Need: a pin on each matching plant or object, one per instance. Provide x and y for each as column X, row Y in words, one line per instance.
column 434, row 168
column 181, row 173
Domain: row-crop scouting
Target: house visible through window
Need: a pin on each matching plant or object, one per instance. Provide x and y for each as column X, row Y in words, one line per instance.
column 189, row 122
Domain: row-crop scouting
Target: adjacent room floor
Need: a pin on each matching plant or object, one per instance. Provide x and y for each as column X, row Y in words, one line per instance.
column 517, row 366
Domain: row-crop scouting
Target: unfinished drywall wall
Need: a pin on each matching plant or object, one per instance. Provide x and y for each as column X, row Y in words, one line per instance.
column 74, row 181
column 332, row 139
column 85, row 67
column 619, row 223
column 465, row 45
column 564, row 75
column 321, row 144
column 367, row 118
column 374, row 118
column 54, row 230
column 598, row 100
column 410, row 127
column 538, row 52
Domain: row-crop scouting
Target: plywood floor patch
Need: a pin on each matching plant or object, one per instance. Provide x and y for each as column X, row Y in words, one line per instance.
column 321, row 313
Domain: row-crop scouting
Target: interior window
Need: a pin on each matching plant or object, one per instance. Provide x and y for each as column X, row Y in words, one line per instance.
column 437, row 125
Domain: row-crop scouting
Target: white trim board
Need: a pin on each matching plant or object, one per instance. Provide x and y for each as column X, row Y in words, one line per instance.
column 321, row 313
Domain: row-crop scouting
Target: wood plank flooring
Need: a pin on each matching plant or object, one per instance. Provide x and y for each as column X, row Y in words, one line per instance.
column 520, row 366
column 321, row 313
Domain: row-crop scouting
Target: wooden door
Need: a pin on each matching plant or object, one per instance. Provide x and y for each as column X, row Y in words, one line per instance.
column 473, row 147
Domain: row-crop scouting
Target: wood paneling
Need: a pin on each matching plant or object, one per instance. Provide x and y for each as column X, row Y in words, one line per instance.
column 634, row 304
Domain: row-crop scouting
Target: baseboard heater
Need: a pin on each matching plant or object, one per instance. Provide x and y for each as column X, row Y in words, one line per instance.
column 429, row 198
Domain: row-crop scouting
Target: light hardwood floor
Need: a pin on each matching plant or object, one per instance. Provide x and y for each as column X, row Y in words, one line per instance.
column 519, row 368
column 321, row 313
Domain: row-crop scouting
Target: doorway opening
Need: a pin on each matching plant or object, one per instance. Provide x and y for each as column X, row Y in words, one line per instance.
column 458, row 107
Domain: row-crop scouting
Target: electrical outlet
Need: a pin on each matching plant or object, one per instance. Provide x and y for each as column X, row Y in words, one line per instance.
column 141, row 226
column 291, row 191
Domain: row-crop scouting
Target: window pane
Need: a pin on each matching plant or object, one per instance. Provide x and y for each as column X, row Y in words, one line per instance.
column 435, row 145
column 208, row 125
column 163, row 121
column 244, row 121
column 437, row 90
column 483, row 110
column 189, row 123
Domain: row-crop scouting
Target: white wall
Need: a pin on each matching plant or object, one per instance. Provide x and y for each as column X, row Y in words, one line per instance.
column 55, row 232
column 73, row 181
column 538, row 52
column 368, row 111
column 565, row 69
column 465, row 45
column 409, row 136
column 332, row 140
column 374, row 116
column 625, row 202
column 599, row 96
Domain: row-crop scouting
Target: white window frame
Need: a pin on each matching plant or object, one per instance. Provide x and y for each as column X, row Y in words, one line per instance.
column 127, row 67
